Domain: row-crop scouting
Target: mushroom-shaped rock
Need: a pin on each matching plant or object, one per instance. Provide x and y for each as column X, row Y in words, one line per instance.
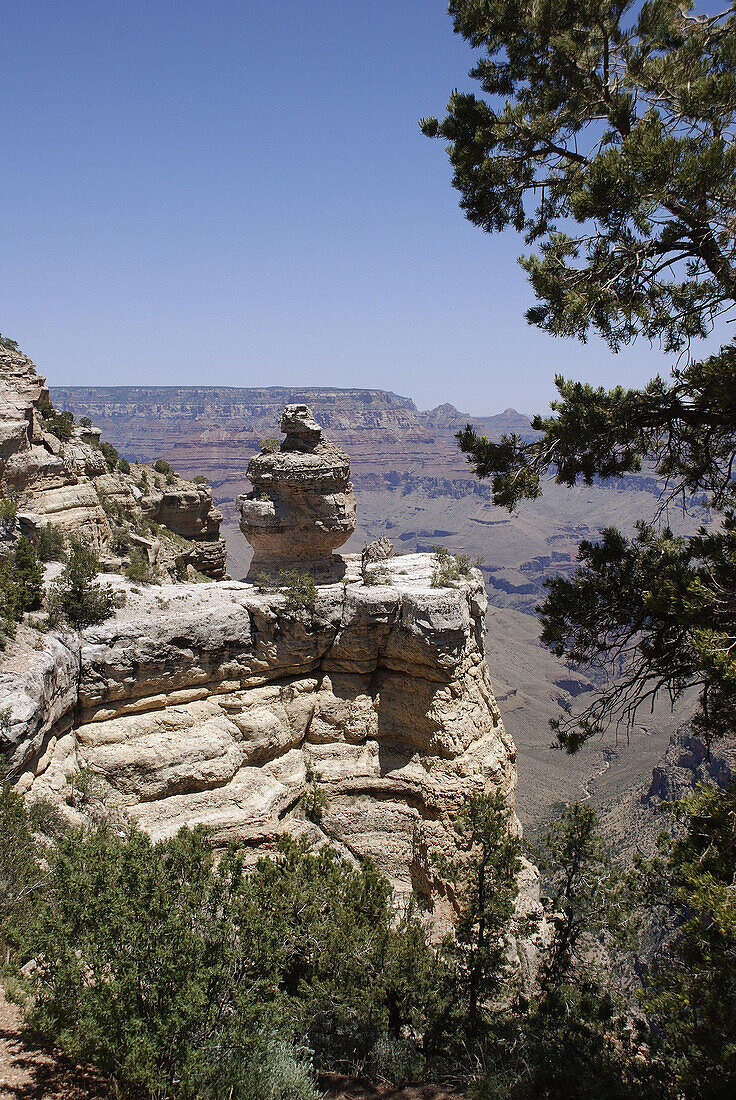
column 302, row 507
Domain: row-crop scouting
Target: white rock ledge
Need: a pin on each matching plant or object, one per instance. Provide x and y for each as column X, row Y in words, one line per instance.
column 212, row 704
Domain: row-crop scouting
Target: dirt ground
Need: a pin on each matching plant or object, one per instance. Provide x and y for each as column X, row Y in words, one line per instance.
column 29, row 1072
column 348, row 1088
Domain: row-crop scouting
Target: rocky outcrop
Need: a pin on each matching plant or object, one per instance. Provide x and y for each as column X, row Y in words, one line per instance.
column 68, row 481
column 302, row 506
column 219, row 705
column 687, row 763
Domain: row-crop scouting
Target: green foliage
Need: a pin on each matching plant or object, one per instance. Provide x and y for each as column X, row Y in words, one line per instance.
column 6, row 342
column 85, row 422
column 123, row 466
column 485, row 878
column 51, row 543
column 176, row 985
column 161, row 466
column 110, row 455
column 59, row 424
column 375, row 574
column 200, row 479
column 448, row 570
column 314, row 799
column 21, row 586
column 618, row 120
column 139, row 569
column 690, row 989
column 269, row 446
column 589, row 897
column 8, row 510
column 571, row 1041
column 21, row 874
column 76, row 597
column 299, row 588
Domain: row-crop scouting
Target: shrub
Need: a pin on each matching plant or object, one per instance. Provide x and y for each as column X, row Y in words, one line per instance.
column 44, row 817
column 157, row 965
column 161, row 466
column 76, row 597
column 123, row 466
column 139, row 569
column 200, row 479
column 60, row 424
column 448, row 570
column 171, row 479
column 8, row 510
column 299, row 589
column 28, row 577
column 268, row 446
column 20, row 873
column 85, row 422
column 51, row 543
column 21, row 586
column 377, row 574
column 110, row 454
column 314, row 799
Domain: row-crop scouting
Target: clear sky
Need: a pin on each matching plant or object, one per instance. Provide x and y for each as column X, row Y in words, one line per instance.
column 237, row 193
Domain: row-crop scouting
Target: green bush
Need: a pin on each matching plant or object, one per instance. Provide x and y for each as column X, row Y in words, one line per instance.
column 156, row 964
column 123, row 466
column 76, row 597
column 8, row 510
column 60, row 424
column 21, row 876
column 200, row 479
column 299, row 588
column 376, row 574
column 85, row 422
column 269, row 446
column 139, row 569
column 161, row 466
column 448, row 570
column 51, row 543
column 21, row 586
column 110, row 454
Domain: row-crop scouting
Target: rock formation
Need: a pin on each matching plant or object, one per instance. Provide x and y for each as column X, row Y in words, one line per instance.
column 69, row 483
column 218, row 705
column 302, row 506
column 226, row 705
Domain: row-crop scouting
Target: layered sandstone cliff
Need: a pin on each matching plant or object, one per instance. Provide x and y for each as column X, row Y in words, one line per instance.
column 362, row 717
column 69, row 483
column 219, row 705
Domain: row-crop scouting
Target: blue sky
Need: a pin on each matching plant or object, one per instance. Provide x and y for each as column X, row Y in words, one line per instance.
column 237, row 193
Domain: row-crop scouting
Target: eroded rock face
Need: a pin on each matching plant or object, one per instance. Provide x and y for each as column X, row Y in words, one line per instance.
column 213, row 704
column 68, row 483
column 302, row 506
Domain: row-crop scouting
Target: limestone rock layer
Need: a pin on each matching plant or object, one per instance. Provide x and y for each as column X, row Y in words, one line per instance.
column 68, row 483
column 218, row 705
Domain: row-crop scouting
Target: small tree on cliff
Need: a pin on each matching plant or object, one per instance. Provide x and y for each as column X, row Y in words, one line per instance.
column 76, row 596
column 607, row 139
column 485, row 875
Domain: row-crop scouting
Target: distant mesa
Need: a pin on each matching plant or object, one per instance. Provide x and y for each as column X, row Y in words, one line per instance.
column 302, row 506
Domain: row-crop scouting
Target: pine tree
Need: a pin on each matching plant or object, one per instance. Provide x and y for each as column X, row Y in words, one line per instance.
column 605, row 136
